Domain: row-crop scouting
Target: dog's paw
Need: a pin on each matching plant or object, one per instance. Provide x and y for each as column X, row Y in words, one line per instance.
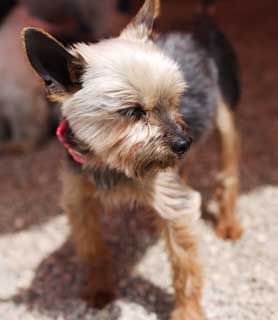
column 188, row 313
column 228, row 229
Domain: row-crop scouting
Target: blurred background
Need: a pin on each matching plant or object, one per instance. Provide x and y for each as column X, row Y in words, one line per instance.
column 36, row 282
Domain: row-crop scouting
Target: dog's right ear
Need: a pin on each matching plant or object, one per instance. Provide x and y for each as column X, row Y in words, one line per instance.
column 59, row 69
column 142, row 25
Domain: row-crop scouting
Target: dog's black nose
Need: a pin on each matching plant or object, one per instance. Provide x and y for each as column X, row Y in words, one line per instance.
column 180, row 145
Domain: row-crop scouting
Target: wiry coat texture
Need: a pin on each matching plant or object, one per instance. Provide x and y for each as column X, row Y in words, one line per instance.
column 199, row 102
column 132, row 106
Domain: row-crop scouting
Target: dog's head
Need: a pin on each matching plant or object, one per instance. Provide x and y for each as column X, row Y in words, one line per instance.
column 120, row 96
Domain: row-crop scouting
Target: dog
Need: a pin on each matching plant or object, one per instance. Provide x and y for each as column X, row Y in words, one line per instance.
column 132, row 106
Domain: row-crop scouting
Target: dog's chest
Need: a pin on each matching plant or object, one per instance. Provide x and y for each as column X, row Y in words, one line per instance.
column 106, row 178
column 102, row 177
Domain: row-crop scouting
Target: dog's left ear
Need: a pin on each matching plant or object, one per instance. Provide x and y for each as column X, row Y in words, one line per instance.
column 58, row 68
column 142, row 25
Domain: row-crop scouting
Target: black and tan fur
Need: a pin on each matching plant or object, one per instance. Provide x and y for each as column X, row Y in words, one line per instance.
column 133, row 106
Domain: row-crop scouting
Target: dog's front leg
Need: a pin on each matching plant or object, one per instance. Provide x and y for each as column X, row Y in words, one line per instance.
column 177, row 207
column 83, row 210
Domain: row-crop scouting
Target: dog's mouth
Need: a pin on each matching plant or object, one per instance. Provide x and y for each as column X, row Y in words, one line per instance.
column 82, row 154
column 76, row 148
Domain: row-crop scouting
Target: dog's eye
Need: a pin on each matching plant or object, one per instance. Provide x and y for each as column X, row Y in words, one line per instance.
column 134, row 112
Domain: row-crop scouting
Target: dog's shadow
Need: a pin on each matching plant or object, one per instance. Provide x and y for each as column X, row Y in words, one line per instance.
column 59, row 281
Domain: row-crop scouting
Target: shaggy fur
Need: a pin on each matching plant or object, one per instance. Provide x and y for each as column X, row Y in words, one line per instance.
column 132, row 106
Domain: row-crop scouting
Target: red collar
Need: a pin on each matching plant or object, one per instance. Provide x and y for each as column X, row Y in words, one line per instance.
column 76, row 156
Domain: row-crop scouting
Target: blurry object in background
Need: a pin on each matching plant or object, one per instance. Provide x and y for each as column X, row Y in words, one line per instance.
column 24, row 113
column 207, row 6
column 125, row 5
column 5, row 7
column 81, row 19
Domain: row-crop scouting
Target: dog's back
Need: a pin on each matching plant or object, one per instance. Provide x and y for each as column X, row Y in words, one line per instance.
column 210, row 67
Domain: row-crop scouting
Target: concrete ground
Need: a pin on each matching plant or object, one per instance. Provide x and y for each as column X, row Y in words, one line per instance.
column 40, row 276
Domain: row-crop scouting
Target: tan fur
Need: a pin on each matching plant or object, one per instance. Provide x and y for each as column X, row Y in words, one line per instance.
column 170, row 197
column 130, row 74
column 141, row 25
column 226, row 192
column 187, row 276
column 83, row 203
column 83, row 208
column 119, row 74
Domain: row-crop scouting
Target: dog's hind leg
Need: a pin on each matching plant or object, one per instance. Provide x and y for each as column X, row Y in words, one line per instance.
column 227, row 225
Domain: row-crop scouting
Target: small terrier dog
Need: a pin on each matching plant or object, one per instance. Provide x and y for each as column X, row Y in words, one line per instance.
column 132, row 106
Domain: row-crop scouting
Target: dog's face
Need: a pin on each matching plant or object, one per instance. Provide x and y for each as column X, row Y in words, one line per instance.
column 120, row 96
